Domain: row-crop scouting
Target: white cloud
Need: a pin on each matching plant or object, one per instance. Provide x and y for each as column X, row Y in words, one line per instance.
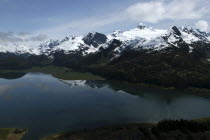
column 155, row 11
column 21, row 37
column 5, row 88
column 152, row 11
column 82, row 25
column 147, row 11
column 202, row 25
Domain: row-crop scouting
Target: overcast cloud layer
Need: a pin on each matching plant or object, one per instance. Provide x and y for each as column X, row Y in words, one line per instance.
column 202, row 25
column 20, row 37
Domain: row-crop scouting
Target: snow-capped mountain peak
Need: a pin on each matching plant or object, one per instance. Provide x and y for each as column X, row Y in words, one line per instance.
column 176, row 31
column 186, row 35
column 95, row 39
column 69, row 37
column 140, row 32
column 141, row 37
column 51, row 43
column 116, row 33
column 142, row 26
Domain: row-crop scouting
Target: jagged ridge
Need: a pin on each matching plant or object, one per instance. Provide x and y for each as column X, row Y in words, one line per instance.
column 141, row 37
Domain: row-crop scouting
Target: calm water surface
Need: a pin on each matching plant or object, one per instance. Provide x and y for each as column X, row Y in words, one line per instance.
column 47, row 105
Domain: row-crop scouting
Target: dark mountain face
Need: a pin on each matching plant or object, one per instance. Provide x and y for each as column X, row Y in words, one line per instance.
column 95, row 39
column 201, row 35
column 178, row 57
column 52, row 43
column 176, row 31
column 174, row 34
column 170, row 67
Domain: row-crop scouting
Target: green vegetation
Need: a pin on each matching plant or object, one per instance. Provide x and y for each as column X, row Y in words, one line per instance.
column 12, row 134
column 182, row 125
column 11, row 75
column 164, row 130
column 170, row 67
column 58, row 72
column 64, row 73
column 167, row 129
column 199, row 91
column 119, row 132
column 203, row 120
column 158, row 69
column 15, row 62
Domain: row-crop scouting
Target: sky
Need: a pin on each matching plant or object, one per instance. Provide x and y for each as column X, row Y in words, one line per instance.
column 37, row 20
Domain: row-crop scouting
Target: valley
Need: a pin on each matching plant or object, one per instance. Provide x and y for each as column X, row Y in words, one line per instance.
column 178, row 57
column 104, row 70
column 64, row 103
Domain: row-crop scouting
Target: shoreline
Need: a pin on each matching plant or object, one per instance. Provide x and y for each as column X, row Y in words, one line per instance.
column 69, row 74
column 12, row 133
column 138, row 130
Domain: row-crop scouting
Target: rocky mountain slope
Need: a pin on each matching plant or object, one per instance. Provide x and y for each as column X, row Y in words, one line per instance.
column 177, row 57
column 141, row 37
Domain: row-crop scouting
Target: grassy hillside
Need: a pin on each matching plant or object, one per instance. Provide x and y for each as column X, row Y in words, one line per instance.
column 11, row 134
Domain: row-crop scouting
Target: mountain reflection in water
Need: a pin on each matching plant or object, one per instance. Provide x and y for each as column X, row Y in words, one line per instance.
column 46, row 105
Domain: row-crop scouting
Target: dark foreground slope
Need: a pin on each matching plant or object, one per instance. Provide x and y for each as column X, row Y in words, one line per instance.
column 165, row 130
column 12, row 134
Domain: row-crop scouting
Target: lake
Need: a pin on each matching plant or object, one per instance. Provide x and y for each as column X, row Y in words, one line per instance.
column 46, row 105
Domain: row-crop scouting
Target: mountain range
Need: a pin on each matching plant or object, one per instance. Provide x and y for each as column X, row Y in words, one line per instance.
column 179, row 56
column 141, row 37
